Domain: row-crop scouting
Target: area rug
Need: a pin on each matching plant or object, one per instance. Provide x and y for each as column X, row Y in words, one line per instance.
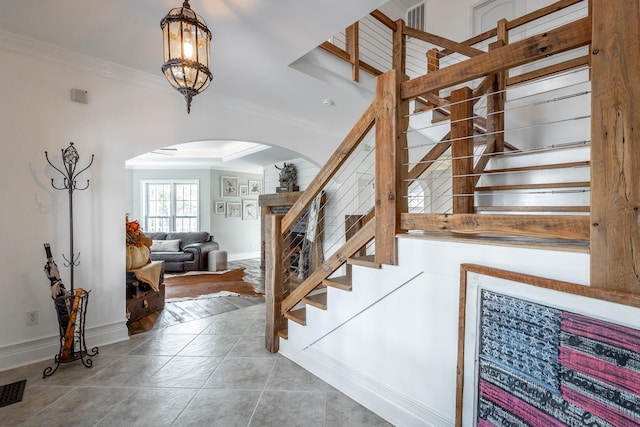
column 197, row 284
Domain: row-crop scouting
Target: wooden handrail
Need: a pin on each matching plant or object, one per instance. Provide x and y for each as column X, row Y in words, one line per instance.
column 353, row 245
column 571, row 227
column 344, row 55
column 337, row 159
column 525, row 19
column 384, row 19
column 566, row 37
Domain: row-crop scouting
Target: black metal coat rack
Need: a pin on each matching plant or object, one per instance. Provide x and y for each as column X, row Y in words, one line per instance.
column 70, row 159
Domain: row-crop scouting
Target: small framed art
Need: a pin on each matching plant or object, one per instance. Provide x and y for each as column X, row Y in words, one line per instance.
column 249, row 209
column 255, row 188
column 234, row 210
column 229, row 186
column 218, row 208
column 244, row 190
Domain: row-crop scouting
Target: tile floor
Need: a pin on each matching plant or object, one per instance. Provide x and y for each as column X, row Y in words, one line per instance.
column 213, row 371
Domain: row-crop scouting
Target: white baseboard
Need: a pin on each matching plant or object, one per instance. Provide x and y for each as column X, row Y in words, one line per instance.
column 16, row 355
column 242, row 255
column 393, row 406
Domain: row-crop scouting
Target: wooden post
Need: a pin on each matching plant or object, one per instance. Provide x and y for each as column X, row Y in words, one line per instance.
column 615, row 145
column 391, row 165
column 497, row 97
column 433, row 63
column 462, row 150
column 353, row 49
column 399, row 48
column 274, row 283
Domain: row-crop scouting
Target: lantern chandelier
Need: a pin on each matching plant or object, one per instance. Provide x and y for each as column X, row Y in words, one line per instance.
column 186, row 51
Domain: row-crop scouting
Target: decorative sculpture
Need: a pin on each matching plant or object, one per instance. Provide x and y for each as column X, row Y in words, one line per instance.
column 288, row 177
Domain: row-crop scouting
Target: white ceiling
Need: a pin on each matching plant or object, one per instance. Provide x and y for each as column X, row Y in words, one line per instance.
column 254, row 42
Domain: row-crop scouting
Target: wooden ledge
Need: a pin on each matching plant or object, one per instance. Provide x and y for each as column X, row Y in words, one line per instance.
column 521, row 242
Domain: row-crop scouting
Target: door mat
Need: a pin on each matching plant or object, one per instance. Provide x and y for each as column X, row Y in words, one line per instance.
column 12, row 393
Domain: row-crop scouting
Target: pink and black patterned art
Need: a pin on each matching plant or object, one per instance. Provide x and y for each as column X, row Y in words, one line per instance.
column 541, row 366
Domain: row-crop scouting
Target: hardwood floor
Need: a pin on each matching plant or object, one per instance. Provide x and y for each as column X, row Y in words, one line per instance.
column 180, row 311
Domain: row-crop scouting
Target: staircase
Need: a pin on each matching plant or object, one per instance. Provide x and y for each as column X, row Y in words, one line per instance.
column 555, row 180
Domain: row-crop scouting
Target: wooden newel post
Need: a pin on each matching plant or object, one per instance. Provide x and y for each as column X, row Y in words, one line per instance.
column 391, row 165
column 615, row 146
column 274, row 282
column 462, row 150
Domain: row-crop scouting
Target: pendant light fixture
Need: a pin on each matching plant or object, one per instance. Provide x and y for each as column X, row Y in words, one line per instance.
column 186, row 51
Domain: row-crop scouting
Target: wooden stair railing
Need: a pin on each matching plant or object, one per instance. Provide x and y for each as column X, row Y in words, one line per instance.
column 389, row 113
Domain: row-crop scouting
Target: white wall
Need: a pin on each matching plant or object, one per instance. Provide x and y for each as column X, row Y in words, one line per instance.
column 392, row 342
column 305, row 170
column 121, row 120
column 239, row 237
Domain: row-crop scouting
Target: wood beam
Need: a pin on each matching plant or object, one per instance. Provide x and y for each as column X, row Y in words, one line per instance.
column 342, row 54
column 615, row 146
column 352, row 35
column 525, row 19
column 558, row 40
column 399, row 53
column 462, row 150
column 443, row 42
column 274, row 283
column 497, row 97
column 391, row 165
column 384, row 19
column 549, row 71
column 571, row 227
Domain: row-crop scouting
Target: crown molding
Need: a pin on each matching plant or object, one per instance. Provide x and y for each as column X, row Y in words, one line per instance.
column 14, row 43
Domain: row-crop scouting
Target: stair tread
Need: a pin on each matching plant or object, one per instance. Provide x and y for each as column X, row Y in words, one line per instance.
column 535, row 186
column 318, row 300
column 533, row 208
column 299, row 316
column 340, row 282
column 365, row 261
column 540, row 167
column 283, row 333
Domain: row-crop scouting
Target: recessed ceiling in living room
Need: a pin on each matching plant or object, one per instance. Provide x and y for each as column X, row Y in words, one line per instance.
column 225, row 155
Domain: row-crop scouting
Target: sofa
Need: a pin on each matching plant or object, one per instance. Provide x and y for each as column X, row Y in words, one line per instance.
column 182, row 251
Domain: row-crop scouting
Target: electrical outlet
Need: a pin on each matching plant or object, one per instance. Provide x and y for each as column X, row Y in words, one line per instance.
column 33, row 317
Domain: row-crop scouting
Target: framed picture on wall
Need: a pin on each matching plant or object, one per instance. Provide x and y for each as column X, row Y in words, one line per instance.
column 218, row 208
column 544, row 351
column 229, row 186
column 255, row 188
column 249, row 209
column 234, row 210
column 244, row 190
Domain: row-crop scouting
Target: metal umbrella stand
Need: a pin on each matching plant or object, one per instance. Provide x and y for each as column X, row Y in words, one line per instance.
column 70, row 306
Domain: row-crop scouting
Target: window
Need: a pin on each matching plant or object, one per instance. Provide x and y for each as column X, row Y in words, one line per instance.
column 170, row 206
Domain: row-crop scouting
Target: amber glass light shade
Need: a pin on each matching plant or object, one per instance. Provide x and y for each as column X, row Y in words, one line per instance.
column 187, row 42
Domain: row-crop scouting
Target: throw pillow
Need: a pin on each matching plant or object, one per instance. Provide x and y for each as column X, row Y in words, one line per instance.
column 165, row 245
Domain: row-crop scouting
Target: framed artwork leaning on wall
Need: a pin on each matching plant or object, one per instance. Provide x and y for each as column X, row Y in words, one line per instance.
column 538, row 351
